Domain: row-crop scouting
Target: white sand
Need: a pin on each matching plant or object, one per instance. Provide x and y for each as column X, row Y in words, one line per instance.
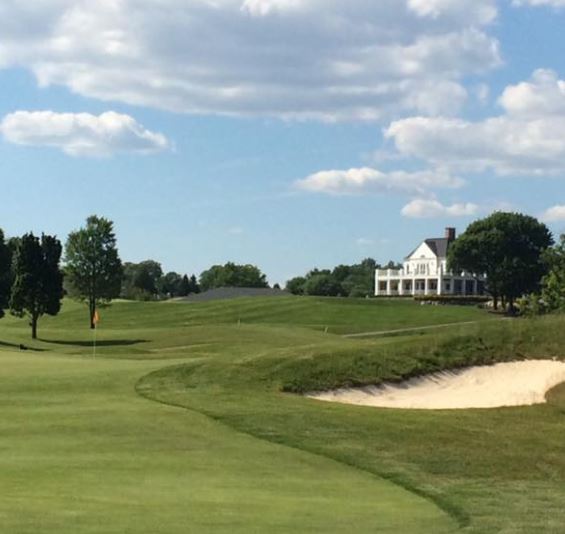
column 505, row 384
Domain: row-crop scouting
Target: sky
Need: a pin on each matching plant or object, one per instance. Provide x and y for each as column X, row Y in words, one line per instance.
column 290, row 134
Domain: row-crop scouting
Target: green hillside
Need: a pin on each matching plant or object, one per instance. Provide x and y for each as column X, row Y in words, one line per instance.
column 180, row 423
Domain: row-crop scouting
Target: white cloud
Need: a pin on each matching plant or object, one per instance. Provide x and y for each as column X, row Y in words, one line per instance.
column 554, row 214
column 427, row 209
column 536, row 3
column 365, row 242
column 528, row 138
column 301, row 59
column 543, row 95
column 367, row 180
column 81, row 134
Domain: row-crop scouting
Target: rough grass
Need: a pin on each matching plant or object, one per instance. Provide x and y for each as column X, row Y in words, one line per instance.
column 81, row 452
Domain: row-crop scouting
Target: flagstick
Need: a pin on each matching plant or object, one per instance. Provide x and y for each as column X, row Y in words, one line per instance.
column 94, row 344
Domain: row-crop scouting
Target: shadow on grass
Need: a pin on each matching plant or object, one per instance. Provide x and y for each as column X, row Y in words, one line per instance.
column 18, row 346
column 99, row 343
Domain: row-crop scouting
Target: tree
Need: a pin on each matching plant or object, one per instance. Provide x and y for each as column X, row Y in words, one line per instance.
column 147, row 275
column 508, row 248
column 193, row 286
column 184, row 288
column 142, row 281
column 322, row 285
column 93, row 265
column 296, row 285
column 232, row 275
column 38, row 280
column 553, row 285
column 170, row 284
column 5, row 274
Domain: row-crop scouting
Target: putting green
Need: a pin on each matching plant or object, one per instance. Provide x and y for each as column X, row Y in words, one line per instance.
column 81, row 452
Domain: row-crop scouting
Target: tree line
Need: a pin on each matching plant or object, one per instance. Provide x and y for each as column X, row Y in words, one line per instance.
column 516, row 252
column 356, row 280
column 35, row 275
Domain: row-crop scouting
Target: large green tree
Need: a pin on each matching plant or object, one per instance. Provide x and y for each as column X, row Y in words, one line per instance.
column 141, row 281
column 38, row 280
column 509, row 248
column 296, row 285
column 93, row 266
column 553, row 292
column 322, row 285
column 5, row 274
column 169, row 285
column 232, row 275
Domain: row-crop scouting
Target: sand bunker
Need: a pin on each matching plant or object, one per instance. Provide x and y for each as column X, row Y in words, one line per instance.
column 504, row 384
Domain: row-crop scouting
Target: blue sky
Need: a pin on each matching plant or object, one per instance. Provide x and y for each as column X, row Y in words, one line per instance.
column 285, row 133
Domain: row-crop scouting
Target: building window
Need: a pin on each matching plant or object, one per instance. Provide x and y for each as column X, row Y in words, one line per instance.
column 448, row 285
column 382, row 286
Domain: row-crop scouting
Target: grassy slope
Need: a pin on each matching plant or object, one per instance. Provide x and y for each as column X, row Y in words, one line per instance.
column 82, row 453
column 473, row 464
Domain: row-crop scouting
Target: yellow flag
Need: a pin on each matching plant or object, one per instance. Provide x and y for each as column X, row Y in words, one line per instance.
column 96, row 318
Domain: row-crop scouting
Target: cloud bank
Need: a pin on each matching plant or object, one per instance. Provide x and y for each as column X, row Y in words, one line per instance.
column 81, row 134
column 428, row 209
column 367, row 180
column 293, row 59
column 527, row 139
column 554, row 214
column 537, row 3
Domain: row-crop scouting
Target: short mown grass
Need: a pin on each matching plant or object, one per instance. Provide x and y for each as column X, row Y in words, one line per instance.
column 231, row 446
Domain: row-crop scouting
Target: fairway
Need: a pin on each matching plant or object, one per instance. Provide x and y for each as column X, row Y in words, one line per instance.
column 179, row 425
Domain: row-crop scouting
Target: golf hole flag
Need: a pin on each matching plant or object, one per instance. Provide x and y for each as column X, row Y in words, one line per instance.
column 96, row 318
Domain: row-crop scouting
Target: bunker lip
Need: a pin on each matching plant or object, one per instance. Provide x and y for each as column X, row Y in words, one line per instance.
column 520, row 383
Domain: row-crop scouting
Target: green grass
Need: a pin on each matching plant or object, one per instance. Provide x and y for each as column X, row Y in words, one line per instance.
column 84, row 447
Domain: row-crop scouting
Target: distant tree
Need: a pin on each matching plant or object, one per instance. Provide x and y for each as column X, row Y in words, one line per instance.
column 5, row 274
column 193, row 287
column 129, row 271
column 508, row 248
column 38, row 280
column 342, row 273
column 323, row 285
column 232, row 275
column 169, row 285
column 356, row 280
column 296, row 285
column 147, row 276
column 553, row 285
column 93, row 265
column 277, row 286
column 184, row 287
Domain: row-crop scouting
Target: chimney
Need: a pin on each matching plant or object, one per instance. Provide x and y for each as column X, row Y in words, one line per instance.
column 450, row 234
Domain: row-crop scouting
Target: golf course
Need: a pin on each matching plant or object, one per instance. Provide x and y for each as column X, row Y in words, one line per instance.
column 192, row 417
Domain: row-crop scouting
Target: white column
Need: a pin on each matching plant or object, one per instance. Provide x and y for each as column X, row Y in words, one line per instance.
column 401, row 287
column 440, row 285
column 377, row 288
column 426, row 286
column 413, row 287
column 388, row 287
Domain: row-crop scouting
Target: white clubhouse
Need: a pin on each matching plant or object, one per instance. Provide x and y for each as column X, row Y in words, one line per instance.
column 425, row 272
